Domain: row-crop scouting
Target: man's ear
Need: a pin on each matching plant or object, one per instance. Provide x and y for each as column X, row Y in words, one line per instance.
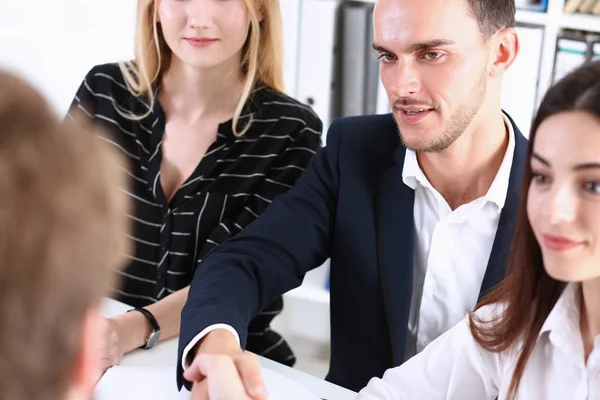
column 505, row 48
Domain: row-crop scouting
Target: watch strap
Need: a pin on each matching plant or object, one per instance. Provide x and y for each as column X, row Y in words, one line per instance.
column 153, row 323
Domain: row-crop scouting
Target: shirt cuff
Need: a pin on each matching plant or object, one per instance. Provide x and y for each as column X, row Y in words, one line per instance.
column 185, row 363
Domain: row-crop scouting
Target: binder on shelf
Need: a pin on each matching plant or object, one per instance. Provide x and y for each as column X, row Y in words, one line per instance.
column 532, row 5
column 596, row 9
column 571, row 52
column 586, row 6
column 372, row 77
column 357, row 64
column 353, row 59
column 596, row 51
column 571, row 6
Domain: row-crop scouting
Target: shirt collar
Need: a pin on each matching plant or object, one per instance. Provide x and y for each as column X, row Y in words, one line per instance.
column 412, row 174
column 411, row 171
column 499, row 188
column 565, row 313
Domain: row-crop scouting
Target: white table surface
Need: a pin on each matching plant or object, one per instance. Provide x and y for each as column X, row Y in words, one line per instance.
column 165, row 354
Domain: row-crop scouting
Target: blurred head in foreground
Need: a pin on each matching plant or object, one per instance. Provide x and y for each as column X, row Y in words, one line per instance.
column 62, row 216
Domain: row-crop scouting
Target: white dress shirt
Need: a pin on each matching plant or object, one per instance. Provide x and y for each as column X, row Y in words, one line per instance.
column 455, row 367
column 452, row 250
column 451, row 255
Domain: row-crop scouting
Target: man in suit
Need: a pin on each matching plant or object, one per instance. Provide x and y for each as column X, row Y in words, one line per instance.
column 62, row 216
column 415, row 209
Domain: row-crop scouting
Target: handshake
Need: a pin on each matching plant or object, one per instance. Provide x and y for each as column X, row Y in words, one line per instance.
column 221, row 370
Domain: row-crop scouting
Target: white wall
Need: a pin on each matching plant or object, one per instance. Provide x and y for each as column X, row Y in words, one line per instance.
column 290, row 10
column 54, row 43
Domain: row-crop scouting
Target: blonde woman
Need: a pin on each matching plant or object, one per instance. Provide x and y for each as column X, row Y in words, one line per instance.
column 211, row 141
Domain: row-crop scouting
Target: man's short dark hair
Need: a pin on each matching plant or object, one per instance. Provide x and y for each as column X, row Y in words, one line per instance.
column 493, row 15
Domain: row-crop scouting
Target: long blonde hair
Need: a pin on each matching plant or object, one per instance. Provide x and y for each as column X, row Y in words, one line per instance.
column 262, row 54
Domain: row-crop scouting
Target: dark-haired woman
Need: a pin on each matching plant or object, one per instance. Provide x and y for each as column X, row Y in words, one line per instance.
column 537, row 335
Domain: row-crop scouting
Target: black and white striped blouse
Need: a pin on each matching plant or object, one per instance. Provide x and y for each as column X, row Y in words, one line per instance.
column 231, row 186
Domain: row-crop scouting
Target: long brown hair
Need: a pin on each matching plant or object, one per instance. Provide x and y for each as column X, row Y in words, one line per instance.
column 527, row 291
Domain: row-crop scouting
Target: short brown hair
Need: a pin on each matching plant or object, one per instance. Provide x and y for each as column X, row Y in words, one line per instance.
column 493, row 15
column 62, row 216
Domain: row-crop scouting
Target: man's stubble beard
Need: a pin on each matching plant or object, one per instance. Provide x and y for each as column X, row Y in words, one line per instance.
column 457, row 123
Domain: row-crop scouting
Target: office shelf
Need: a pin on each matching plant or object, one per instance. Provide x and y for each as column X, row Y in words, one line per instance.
column 584, row 22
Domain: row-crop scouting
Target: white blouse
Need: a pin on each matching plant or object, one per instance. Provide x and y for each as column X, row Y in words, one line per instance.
column 455, row 367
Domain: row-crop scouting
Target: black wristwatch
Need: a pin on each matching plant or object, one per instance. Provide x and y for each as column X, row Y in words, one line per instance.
column 152, row 339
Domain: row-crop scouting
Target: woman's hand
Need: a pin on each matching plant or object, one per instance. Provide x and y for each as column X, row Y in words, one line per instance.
column 122, row 334
column 111, row 346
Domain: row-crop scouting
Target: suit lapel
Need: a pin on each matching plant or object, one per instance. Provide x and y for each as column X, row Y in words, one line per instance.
column 496, row 267
column 395, row 226
column 508, row 217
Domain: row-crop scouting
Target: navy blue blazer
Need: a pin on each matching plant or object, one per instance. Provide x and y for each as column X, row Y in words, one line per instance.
column 352, row 206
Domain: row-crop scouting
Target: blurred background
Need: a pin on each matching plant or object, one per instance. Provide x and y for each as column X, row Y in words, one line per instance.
column 329, row 64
